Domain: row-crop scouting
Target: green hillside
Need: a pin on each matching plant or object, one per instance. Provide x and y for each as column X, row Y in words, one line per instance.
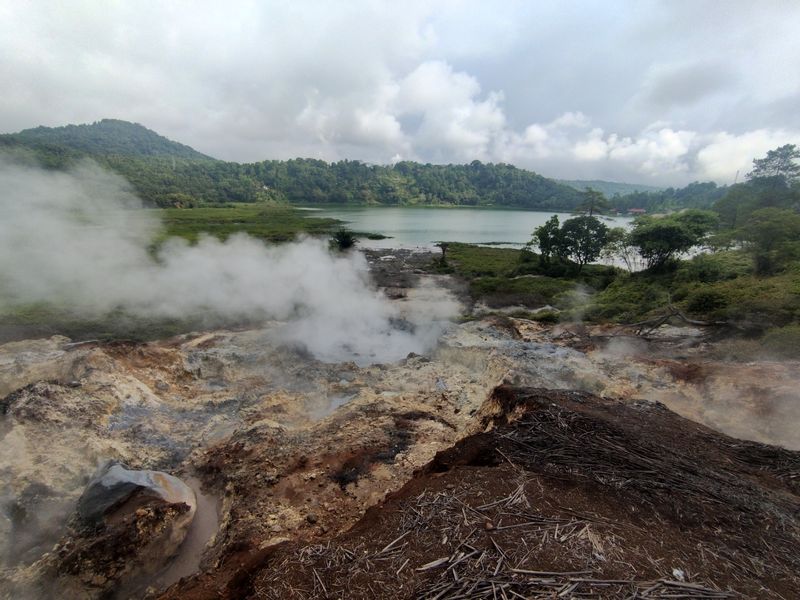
column 609, row 188
column 109, row 136
column 167, row 173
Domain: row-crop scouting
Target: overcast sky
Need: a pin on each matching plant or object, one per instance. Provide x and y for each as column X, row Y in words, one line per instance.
column 649, row 91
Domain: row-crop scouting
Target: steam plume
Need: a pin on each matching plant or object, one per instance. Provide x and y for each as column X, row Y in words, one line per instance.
column 79, row 240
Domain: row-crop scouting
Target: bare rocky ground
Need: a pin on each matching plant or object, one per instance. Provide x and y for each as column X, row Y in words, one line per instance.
column 310, row 470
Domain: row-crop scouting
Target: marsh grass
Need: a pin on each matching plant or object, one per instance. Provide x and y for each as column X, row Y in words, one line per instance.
column 268, row 223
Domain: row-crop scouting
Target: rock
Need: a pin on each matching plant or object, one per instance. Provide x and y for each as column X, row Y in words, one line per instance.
column 115, row 492
column 311, row 518
column 133, row 524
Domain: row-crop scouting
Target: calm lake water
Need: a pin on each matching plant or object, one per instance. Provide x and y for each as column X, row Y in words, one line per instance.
column 422, row 227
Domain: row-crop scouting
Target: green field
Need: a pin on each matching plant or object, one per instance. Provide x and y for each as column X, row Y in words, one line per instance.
column 268, row 223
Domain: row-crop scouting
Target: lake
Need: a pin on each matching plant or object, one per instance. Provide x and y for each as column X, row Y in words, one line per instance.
column 409, row 227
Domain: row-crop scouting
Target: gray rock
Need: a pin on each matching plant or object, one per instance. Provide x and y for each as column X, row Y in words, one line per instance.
column 116, row 491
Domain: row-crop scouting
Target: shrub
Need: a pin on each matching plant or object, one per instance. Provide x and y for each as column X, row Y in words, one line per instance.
column 710, row 268
column 546, row 316
column 783, row 341
column 704, row 301
column 342, row 240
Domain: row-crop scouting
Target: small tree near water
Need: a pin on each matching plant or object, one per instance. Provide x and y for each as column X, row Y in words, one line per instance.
column 343, row 240
column 546, row 239
column 583, row 239
column 580, row 239
column 593, row 202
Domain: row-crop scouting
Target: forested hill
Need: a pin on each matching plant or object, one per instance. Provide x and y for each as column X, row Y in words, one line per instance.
column 109, row 136
column 475, row 184
column 167, row 173
column 609, row 188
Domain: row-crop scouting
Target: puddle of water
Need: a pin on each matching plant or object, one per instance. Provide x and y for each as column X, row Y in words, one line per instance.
column 204, row 525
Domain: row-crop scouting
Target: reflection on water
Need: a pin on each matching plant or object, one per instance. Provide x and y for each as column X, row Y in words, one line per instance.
column 422, row 227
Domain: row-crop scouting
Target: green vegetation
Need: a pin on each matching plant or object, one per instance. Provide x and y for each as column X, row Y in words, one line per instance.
column 109, row 136
column 594, row 201
column 273, row 224
column 783, row 341
column 772, row 237
column 778, row 163
column 748, row 280
column 343, row 240
column 659, row 240
column 609, row 188
column 507, row 277
column 41, row 320
column 749, row 303
column 580, row 239
column 166, row 173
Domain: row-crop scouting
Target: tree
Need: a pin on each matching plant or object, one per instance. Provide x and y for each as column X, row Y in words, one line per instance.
column 582, row 239
column 772, row 235
column 699, row 222
column 661, row 239
column 343, row 240
column 593, row 202
column 547, row 238
column 778, row 163
column 618, row 247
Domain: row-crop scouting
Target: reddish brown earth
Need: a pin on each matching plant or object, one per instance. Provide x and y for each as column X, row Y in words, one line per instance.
column 564, row 495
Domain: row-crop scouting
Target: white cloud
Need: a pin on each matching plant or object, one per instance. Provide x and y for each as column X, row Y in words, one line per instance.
column 455, row 121
column 726, row 154
column 567, row 90
column 594, row 146
column 571, row 119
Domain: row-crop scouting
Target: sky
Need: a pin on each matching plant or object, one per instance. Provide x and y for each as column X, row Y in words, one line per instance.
column 650, row 91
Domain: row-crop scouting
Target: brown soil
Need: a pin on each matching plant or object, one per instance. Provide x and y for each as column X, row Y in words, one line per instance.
column 564, row 495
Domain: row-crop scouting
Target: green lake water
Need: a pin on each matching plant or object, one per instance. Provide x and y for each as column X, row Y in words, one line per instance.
column 409, row 227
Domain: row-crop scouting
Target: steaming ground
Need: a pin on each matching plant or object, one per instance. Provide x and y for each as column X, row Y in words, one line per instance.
column 301, row 422
column 78, row 241
column 200, row 404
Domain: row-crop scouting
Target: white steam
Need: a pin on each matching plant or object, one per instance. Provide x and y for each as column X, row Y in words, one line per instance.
column 79, row 240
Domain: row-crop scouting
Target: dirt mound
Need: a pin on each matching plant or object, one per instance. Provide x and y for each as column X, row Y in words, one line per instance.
column 564, row 495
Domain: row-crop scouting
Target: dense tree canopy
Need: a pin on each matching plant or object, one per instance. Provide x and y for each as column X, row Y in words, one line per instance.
column 763, row 192
column 109, row 136
column 661, row 239
column 547, row 238
column 780, row 162
column 580, row 239
column 772, row 235
column 166, row 173
column 694, row 195
column 583, row 239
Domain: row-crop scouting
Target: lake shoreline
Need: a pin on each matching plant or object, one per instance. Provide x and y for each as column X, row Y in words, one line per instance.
column 424, row 227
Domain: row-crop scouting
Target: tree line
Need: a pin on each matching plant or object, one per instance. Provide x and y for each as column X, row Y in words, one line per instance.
column 760, row 216
column 168, row 174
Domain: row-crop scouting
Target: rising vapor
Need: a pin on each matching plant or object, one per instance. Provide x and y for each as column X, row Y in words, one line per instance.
column 79, row 240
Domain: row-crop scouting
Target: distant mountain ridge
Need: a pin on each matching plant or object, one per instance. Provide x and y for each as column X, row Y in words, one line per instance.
column 109, row 136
